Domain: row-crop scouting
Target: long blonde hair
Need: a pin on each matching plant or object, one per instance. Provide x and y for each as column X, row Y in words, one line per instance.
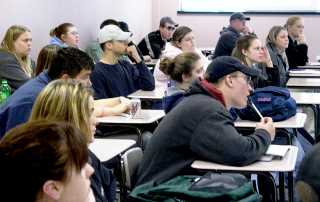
column 65, row 100
column 7, row 44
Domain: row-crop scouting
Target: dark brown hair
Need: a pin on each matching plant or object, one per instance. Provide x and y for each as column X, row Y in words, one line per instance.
column 180, row 33
column 61, row 29
column 181, row 64
column 243, row 43
column 45, row 57
column 36, row 152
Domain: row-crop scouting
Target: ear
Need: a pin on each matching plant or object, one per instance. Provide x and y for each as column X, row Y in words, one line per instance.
column 63, row 37
column 244, row 52
column 108, row 45
column 229, row 81
column 65, row 76
column 53, row 189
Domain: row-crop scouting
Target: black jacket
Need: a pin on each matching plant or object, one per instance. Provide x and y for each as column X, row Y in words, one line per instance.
column 199, row 127
column 297, row 54
column 227, row 42
column 157, row 44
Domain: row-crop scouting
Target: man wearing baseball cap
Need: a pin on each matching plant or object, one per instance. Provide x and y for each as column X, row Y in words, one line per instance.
column 200, row 126
column 113, row 77
column 152, row 44
column 229, row 35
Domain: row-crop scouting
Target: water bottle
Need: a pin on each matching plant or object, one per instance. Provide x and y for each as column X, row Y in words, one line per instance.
column 5, row 91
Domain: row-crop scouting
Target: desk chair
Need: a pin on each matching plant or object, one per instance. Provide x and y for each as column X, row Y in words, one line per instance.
column 130, row 161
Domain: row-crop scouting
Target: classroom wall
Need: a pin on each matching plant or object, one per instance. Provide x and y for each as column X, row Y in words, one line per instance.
column 207, row 27
column 42, row 15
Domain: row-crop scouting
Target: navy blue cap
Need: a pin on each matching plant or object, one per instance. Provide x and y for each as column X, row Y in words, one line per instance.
column 224, row 65
column 239, row 16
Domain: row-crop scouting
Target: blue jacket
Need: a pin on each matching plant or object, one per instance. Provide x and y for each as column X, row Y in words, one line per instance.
column 227, row 42
column 172, row 98
column 18, row 107
column 120, row 79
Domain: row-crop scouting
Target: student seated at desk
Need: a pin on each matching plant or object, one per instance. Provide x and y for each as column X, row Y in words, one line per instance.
column 45, row 161
column 200, row 126
column 65, row 35
column 277, row 41
column 183, row 69
column 113, row 77
column 72, row 101
column 250, row 51
column 183, row 40
column 68, row 63
column 297, row 51
column 16, row 65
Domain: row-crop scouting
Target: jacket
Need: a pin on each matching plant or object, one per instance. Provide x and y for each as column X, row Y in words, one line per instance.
column 152, row 45
column 280, row 64
column 199, row 127
column 17, row 108
column 11, row 71
column 226, row 42
column 297, row 54
column 172, row 98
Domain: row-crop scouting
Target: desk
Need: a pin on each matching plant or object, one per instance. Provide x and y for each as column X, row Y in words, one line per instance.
column 148, row 117
column 106, row 149
column 286, row 164
column 296, row 121
column 310, row 65
column 156, row 94
column 305, row 73
column 311, row 100
column 309, row 83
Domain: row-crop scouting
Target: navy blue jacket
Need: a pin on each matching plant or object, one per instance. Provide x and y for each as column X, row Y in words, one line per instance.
column 18, row 107
column 227, row 42
column 120, row 79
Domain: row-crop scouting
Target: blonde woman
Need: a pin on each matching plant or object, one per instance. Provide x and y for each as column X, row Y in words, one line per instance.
column 15, row 64
column 71, row 101
column 297, row 51
column 277, row 41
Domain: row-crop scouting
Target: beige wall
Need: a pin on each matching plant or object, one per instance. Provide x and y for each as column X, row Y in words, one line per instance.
column 207, row 27
column 142, row 16
column 42, row 15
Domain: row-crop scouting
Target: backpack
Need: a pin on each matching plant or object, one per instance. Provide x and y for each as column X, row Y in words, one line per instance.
column 187, row 188
column 271, row 101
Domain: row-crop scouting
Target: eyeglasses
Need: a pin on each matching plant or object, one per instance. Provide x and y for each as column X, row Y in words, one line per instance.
column 170, row 28
column 74, row 33
column 246, row 78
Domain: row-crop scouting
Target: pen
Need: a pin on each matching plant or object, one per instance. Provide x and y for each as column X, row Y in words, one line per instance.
column 256, row 109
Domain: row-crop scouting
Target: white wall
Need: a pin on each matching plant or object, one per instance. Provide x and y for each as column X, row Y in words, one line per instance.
column 207, row 27
column 42, row 15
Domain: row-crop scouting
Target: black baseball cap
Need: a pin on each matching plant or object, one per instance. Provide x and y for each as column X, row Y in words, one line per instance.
column 239, row 16
column 224, row 65
column 309, row 169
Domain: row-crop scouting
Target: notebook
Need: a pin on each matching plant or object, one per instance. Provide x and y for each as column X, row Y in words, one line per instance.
column 273, row 151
